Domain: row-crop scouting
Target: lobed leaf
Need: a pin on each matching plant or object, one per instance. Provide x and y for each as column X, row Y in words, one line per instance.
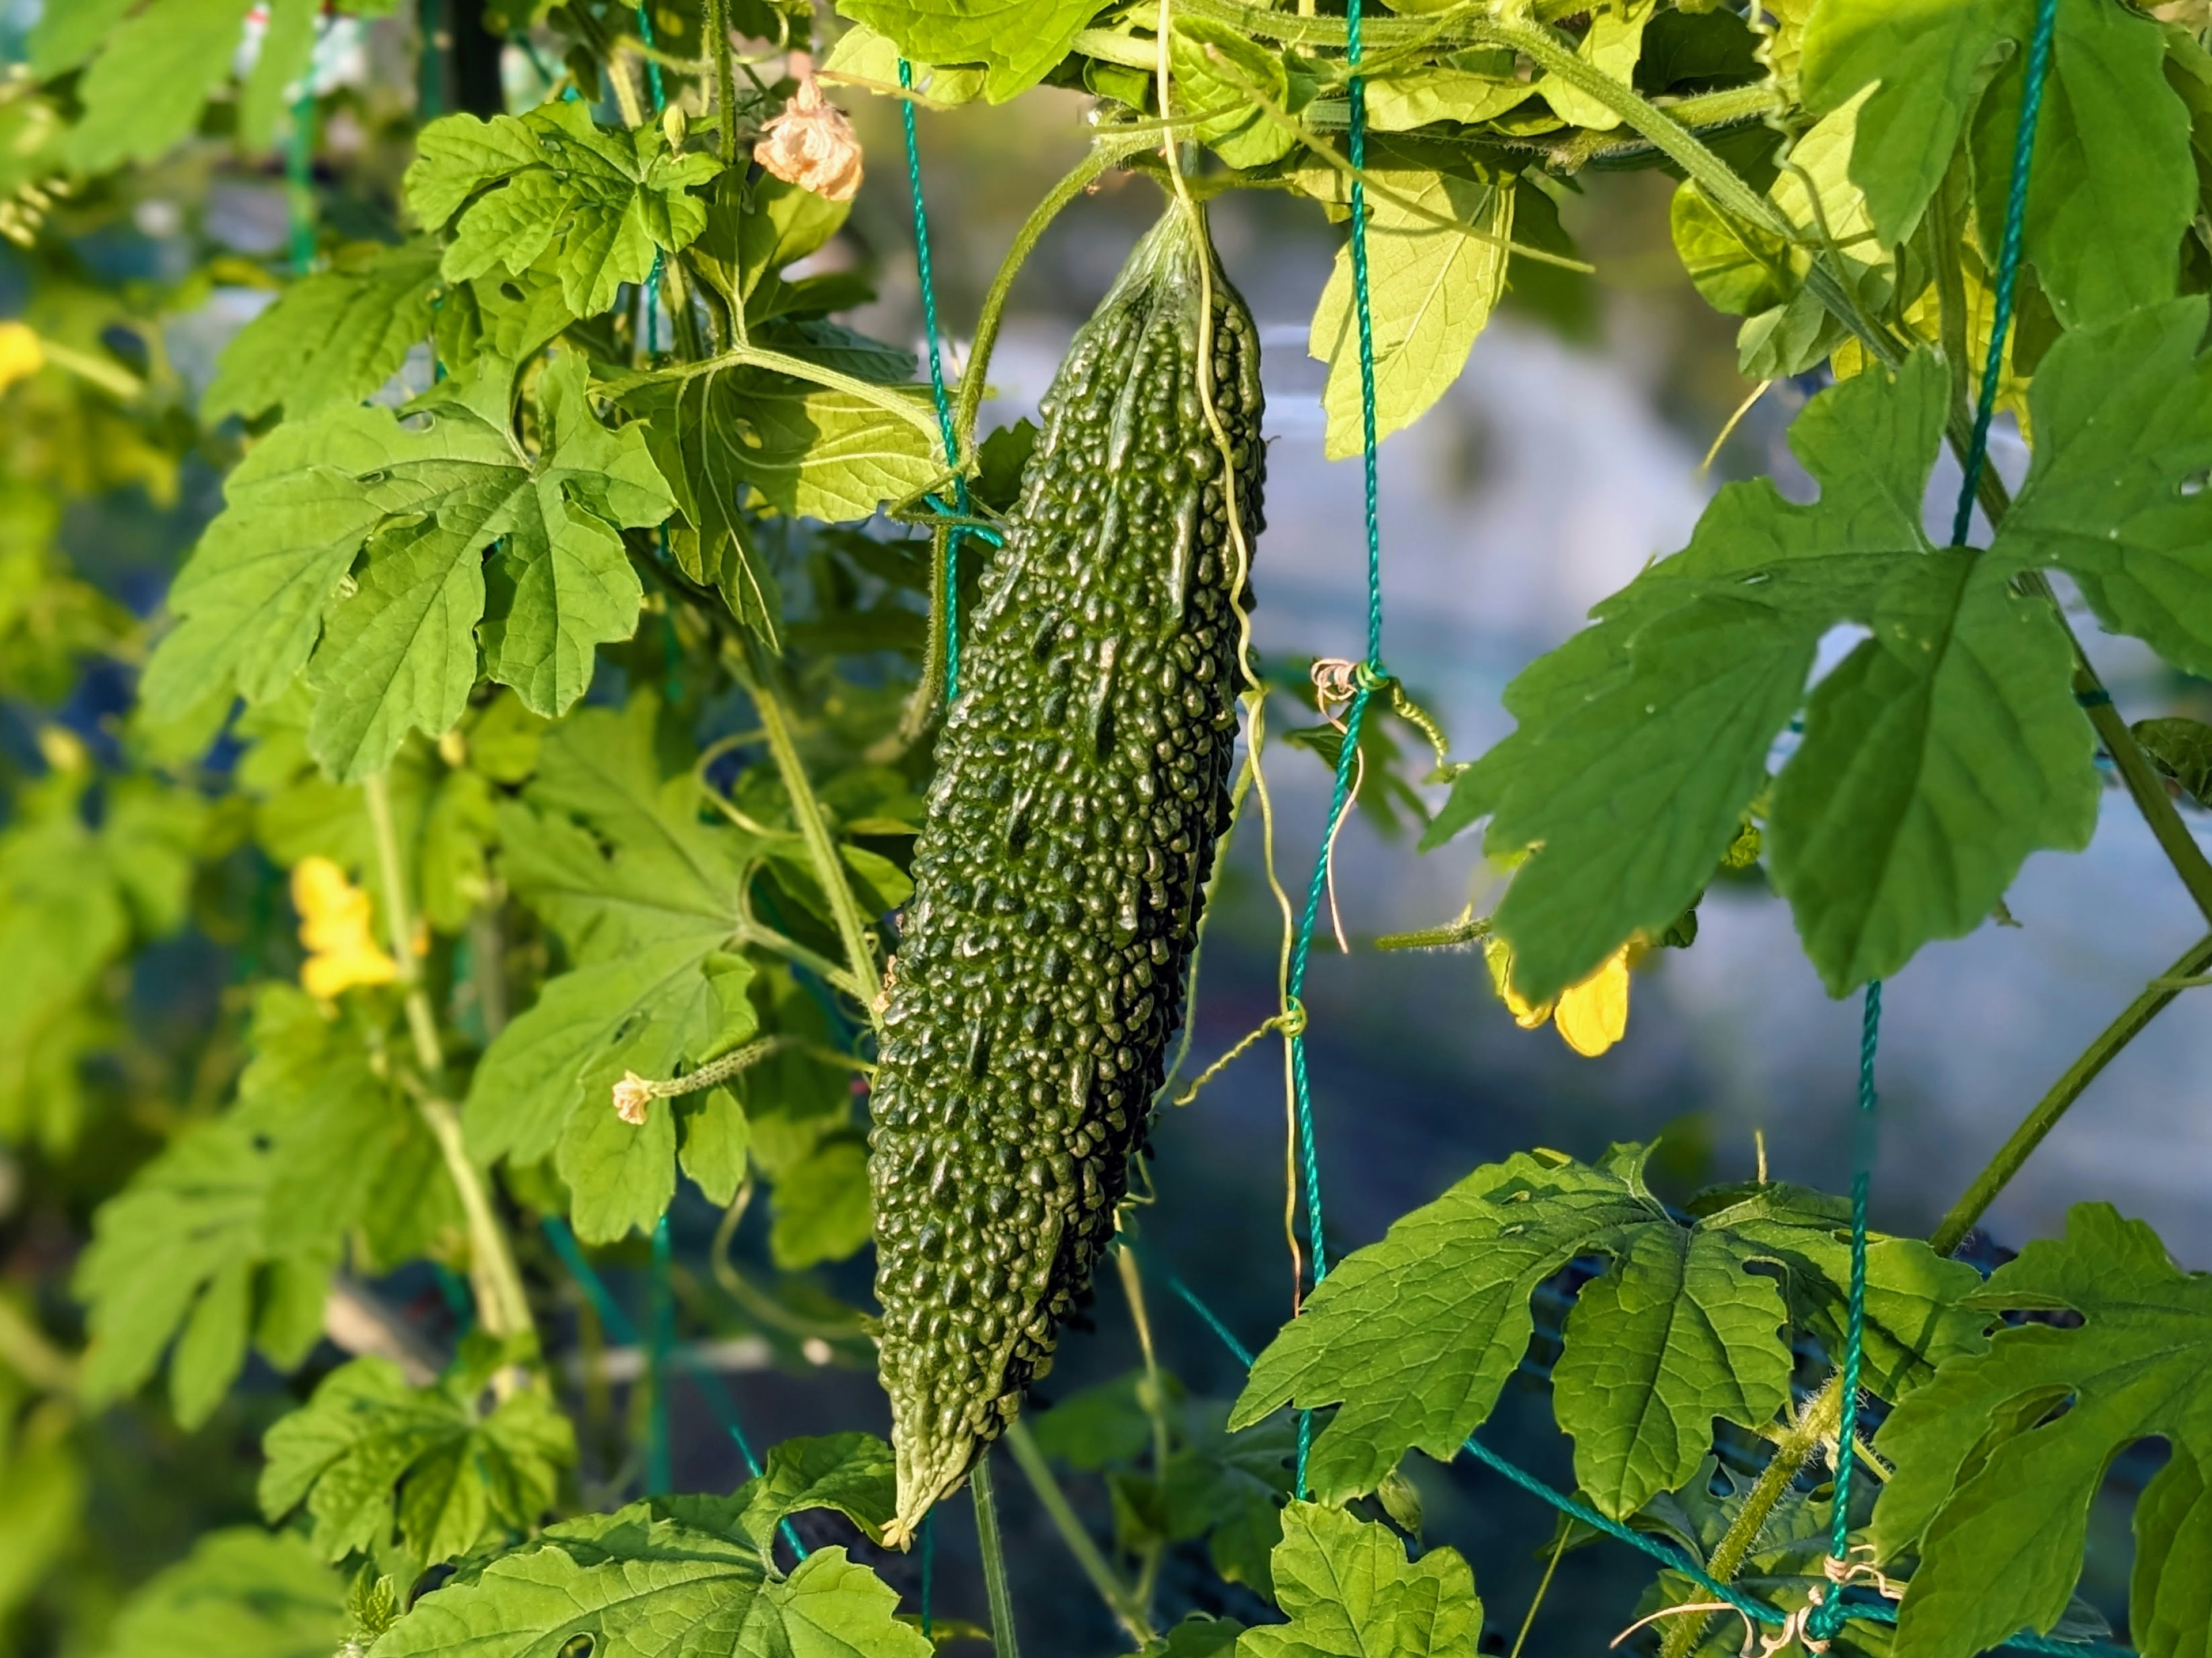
column 1351, row 1593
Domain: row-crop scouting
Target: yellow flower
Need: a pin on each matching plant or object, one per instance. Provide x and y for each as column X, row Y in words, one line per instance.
column 21, row 354
column 335, row 926
column 1590, row 1017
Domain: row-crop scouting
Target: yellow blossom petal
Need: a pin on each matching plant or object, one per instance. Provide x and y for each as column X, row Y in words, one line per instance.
column 335, row 926
column 1497, row 956
column 21, row 354
column 1594, row 1015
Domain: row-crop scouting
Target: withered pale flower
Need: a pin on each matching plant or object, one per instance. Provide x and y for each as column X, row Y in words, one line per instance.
column 813, row 145
column 632, row 1095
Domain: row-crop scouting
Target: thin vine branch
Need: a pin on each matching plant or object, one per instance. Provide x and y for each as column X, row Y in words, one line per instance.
column 1120, row 1599
column 995, row 1588
column 501, row 1303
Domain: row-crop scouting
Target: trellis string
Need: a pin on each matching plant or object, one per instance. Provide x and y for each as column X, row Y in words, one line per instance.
column 950, row 620
column 1826, row 1619
column 618, row 1324
column 1369, row 675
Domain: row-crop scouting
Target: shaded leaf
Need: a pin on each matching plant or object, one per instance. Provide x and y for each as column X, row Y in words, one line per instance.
column 1351, row 1593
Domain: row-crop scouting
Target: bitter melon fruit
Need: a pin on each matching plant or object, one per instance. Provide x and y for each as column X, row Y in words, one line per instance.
column 1082, row 781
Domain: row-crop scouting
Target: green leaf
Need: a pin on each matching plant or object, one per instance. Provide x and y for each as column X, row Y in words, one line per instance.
column 146, row 89
column 1241, row 135
column 664, row 1578
column 2122, row 422
column 2113, row 186
column 1944, row 750
column 1413, row 1337
column 851, row 1472
column 550, row 179
column 427, row 501
column 1923, row 56
column 242, row 1593
column 1999, row 1458
column 1229, row 1488
column 65, row 36
column 348, row 1150
column 820, row 1203
column 371, row 1457
column 1019, row 41
column 1104, row 1423
column 1196, row 1637
column 335, row 336
column 174, row 1256
column 46, row 1481
column 646, row 897
column 1612, row 44
column 1430, row 290
column 736, row 438
column 2182, row 749
column 1351, row 1593
column 1937, row 755
column 1465, row 87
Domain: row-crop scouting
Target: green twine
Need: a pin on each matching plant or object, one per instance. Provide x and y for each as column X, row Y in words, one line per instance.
column 660, row 1316
column 1827, row 1618
column 2023, row 148
column 1370, row 674
column 652, row 65
column 951, row 619
column 619, row 1327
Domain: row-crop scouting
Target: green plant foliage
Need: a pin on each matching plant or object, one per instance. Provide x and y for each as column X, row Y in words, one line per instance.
column 553, row 708
column 1960, row 704
column 1350, row 1592
column 370, row 1457
column 1678, row 1331
column 241, row 1594
column 332, row 337
column 678, row 1575
column 515, row 187
column 427, row 500
column 1998, row 1458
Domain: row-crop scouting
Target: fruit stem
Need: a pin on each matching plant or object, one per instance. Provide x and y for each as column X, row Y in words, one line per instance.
column 995, row 1588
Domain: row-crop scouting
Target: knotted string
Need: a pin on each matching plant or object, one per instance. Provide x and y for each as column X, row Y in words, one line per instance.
column 951, row 535
column 1369, row 675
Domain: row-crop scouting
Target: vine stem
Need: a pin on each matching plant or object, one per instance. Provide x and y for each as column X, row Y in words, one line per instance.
column 26, row 1350
column 726, row 80
column 2038, row 1122
column 1155, row 1403
column 995, row 1588
column 814, row 831
column 1818, row 1422
column 500, row 1304
column 1120, row 1599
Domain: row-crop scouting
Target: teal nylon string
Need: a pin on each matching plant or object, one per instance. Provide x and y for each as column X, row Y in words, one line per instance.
column 1829, row 1618
column 659, row 1317
column 652, row 65
column 1666, row 1554
column 2023, row 148
column 617, row 1325
column 951, row 618
column 300, row 181
column 1371, row 673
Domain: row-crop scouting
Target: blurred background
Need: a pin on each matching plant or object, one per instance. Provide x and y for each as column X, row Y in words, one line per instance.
column 1568, row 455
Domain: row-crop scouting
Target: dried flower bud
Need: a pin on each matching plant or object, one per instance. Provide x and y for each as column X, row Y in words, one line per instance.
column 632, row 1095
column 813, row 145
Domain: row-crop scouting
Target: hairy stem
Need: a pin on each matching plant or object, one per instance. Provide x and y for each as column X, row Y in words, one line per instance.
column 725, row 100
column 1155, row 1404
column 814, row 829
column 500, row 1304
column 995, row 1588
column 1106, row 152
column 1815, row 1425
column 1122, row 1602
